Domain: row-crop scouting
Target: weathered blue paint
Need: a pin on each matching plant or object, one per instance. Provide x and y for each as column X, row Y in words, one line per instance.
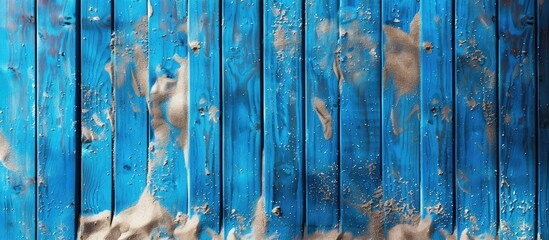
column 283, row 122
column 400, row 111
column 543, row 118
column 130, row 108
column 517, row 119
column 321, row 116
column 360, row 117
column 241, row 117
column 17, row 120
column 437, row 120
column 96, row 85
column 205, row 106
column 476, row 138
column 56, row 120
column 168, row 85
column 320, row 98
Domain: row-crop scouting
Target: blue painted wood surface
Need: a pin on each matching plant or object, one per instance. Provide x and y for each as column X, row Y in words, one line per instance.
column 17, row 120
column 517, row 119
column 168, row 104
column 360, row 117
column 130, row 85
column 476, row 140
column 96, row 87
column 241, row 117
column 56, row 121
column 543, row 118
column 300, row 80
column 321, row 116
column 437, row 115
column 284, row 120
column 205, row 106
column 400, row 111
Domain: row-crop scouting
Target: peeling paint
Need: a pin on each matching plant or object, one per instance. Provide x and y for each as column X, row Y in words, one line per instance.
column 395, row 124
column 6, row 155
column 337, row 69
column 402, row 57
column 176, row 94
column 212, row 112
column 324, row 117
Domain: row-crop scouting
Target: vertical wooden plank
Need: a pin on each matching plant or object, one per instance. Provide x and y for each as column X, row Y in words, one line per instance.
column 517, row 126
column 400, row 111
column 130, row 108
column 205, row 105
column 57, row 140
column 543, row 121
column 168, row 104
column 283, row 122
column 476, row 141
column 17, row 120
column 436, row 124
column 241, row 118
column 360, row 117
column 321, row 115
column 96, row 22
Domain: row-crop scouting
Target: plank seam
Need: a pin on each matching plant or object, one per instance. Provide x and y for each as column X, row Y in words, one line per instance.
column 35, row 13
column 221, row 124
column 454, row 115
column 496, row 100
column 78, row 119
column 303, row 120
column 262, row 94
column 112, row 118
column 536, row 119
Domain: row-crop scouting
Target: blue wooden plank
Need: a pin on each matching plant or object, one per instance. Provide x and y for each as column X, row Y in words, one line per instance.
column 322, row 75
column 17, row 120
column 168, row 104
column 130, row 109
column 205, row 103
column 360, row 117
column 476, row 139
column 400, row 111
column 517, row 131
column 543, row 121
column 96, row 85
column 436, row 124
column 283, row 134
column 241, row 118
column 57, row 140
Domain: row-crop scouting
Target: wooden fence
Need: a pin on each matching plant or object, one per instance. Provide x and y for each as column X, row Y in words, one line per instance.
column 251, row 119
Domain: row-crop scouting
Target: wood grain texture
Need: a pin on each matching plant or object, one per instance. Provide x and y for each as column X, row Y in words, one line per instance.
column 400, row 112
column 57, row 114
column 283, row 122
column 17, row 120
column 360, row 117
column 96, row 85
column 241, row 118
column 130, row 69
column 517, row 119
column 476, row 141
column 543, row 118
column 437, row 115
column 168, row 104
column 321, row 116
column 205, row 106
